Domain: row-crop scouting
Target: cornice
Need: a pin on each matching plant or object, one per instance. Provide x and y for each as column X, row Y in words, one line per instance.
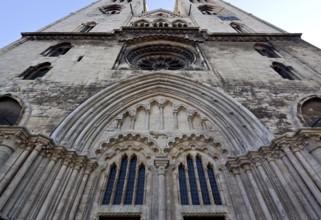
column 253, row 37
column 190, row 34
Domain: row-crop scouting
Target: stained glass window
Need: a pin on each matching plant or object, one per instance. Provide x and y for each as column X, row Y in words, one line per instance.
column 201, row 175
column 182, row 185
column 121, row 181
column 131, row 181
column 140, row 186
column 110, row 185
column 215, row 191
column 192, row 182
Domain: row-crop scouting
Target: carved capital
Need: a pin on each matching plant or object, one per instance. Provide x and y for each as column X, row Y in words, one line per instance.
column 3, row 137
column 161, row 164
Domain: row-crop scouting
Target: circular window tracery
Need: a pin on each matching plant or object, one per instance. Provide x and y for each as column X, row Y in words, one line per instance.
column 161, row 57
column 311, row 112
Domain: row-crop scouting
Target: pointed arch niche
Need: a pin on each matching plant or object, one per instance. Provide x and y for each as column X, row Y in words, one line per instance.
column 148, row 104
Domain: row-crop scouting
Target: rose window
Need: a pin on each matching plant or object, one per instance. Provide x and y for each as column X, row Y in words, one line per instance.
column 161, row 57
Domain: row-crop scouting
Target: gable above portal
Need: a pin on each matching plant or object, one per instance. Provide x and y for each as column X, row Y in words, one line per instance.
column 160, row 13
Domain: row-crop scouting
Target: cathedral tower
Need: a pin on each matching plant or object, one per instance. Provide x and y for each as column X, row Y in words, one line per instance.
column 116, row 112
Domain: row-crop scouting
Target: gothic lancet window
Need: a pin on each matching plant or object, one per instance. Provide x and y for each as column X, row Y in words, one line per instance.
column 10, row 111
column 182, row 185
column 34, row 72
column 126, row 184
column 59, row 49
column 265, row 50
column 87, row 27
column 207, row 10
column 199, row 178
column 239, row 28
column 284, row 71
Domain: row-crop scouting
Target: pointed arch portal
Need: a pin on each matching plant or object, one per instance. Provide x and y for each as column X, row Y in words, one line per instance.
column 239, row 129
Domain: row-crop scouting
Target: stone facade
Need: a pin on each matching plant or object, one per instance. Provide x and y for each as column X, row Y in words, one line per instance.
column 116, row 112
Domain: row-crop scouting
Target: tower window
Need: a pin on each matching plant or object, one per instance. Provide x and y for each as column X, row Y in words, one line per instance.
column 85, row 28
column 238, row 27
column 59, row 49
column 111, row 9
column 311, row 112
column 284, row 71
column 10, row 111
column 209, row 10
column 265, row 50
column 38, row 71
column 198, row 185
column 126, row 185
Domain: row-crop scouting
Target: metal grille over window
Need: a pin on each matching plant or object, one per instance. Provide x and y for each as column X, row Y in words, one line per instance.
column 125, row 185
column 199, row 187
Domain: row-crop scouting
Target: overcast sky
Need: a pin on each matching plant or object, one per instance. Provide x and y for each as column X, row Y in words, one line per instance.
column 294, row 16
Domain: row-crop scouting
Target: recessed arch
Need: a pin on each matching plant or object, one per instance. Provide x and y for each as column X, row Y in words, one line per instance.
column 82, row 128
column 10, row 111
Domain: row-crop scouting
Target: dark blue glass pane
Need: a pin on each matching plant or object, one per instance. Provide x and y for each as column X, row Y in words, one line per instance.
column 216, row 193
column 182, row 185
column 201, row 175
column 192, row 182
column 140, row 186
column 109, row 187
column 131, row 181
column 121, row 181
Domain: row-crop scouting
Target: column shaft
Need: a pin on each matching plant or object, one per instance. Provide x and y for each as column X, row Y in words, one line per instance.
column 245, row 197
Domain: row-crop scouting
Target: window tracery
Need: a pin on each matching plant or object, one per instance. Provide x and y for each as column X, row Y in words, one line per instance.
column 284, row 71
column 200, row 177
column 38, row 71
column 265, row 50
column 57, row 50
column 209, row 10
column 125, row 186
column 161, row 57
column 87, row 27
column 111, row 9
column 311, row 112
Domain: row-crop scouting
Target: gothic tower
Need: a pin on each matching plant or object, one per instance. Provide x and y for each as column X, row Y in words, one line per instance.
column 116, row 112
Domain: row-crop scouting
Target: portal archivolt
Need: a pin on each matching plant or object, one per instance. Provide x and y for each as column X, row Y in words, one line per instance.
column 162, row 105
